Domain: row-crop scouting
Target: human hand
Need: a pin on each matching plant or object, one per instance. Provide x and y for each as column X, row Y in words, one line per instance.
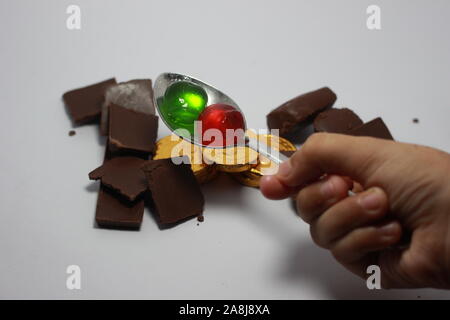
column 406, row 192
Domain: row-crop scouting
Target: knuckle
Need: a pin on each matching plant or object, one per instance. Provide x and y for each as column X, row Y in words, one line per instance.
column 313, row 143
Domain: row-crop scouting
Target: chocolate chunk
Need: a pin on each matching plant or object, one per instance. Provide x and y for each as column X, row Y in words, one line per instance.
column 85, row 104
column 123, row 175
column 375, row 128
column 174, row 188
column 299, row 110
column 288, row 153
column 131, row 130
column 336, row 121
column 115, row 212
column 72, row 133
column 108, row 154
column 135, row 95
column 415, row 120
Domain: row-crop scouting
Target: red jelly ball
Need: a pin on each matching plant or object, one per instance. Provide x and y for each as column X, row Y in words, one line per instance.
column 221, row 117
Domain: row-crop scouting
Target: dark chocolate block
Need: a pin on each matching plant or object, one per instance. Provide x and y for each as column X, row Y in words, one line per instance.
column 123, row 175
column 303, row 108
column 115, row 212
column 85, row 104
column 108, row 154
column 134, row 94
column 375, row 128
column 131, row 130
column 288, row 153
column 175, row 191
column 336, row 121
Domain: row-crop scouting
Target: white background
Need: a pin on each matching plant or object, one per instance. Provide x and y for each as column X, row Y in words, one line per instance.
column 262, row 53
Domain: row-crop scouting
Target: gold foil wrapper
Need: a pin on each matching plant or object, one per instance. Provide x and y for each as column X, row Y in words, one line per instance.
column 173, row 146
column 231, row 159
column 252, row 176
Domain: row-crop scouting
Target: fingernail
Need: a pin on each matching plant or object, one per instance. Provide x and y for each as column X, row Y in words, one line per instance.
column 328, row 189
column 389, row 232
column 372, row 200
column 284, row 169
column 389, row 229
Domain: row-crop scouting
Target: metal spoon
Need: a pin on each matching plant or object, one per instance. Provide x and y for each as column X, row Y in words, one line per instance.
column 164, row 80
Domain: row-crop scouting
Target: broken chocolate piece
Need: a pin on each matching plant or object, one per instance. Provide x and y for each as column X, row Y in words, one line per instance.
column 72, row 133
column 174, row 188
column 123, row 175
column 85, row 104
column 113, row 211
column 336, row 121
column 287, row 153
column 135, row 95
column 291, row 114
column 375, row 128
column 131, row 130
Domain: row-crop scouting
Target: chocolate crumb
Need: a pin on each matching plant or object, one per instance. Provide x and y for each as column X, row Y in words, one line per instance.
column 415, row 120
column 201, row 218
column 72, row 133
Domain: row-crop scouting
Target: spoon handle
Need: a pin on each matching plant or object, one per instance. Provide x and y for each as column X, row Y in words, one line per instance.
column 266, row 150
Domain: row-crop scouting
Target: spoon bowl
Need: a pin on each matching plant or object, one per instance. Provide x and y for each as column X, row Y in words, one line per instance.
column 165, row 80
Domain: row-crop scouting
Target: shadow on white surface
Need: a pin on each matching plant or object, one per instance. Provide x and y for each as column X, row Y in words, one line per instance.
column 308, row 263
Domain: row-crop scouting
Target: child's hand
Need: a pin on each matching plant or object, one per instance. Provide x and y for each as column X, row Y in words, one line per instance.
column 407, row 192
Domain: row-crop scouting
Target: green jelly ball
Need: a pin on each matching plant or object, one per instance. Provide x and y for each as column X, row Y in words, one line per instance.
column 183, row 102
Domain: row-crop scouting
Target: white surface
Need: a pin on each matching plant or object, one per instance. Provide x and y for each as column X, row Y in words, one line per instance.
column 261, row 53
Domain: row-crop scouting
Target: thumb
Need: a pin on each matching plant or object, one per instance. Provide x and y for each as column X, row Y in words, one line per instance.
column 326, row 153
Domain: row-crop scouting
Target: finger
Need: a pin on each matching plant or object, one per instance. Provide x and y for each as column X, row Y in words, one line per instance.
column 350, row 182
column 314, row 199
column 357, row 187
column 348, row 214
column 273, row 189
column 356, row 245
column 355, row 157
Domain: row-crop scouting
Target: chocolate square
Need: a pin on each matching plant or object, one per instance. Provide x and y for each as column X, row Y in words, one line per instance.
column 337, row 121
column 175, row 191
column 134, row 94
column 115, row 212
column 375, row 128
column 131, row 130
column 290, row 115
column 123, row 175
column 85, row 104
column 113, row 209
column 287, row 153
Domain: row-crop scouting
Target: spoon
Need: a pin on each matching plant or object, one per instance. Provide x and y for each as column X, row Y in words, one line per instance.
column 164, row 80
